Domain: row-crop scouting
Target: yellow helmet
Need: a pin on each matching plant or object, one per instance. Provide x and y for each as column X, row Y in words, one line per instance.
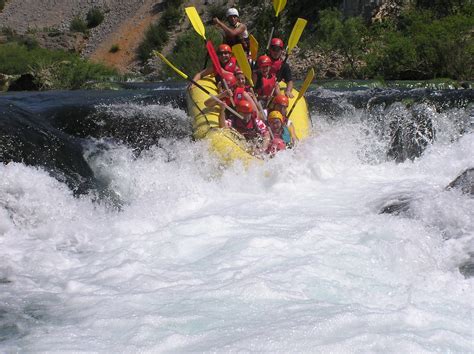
column 275, row 115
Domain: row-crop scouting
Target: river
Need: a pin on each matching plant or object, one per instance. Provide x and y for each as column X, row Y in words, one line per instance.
column 119, row 233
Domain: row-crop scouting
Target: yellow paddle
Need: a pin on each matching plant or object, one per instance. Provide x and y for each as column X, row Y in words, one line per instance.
column 241, row 57
column 253, row 47
column 304, row 87
column 278, row 5
column 295, row 34
column 186, row 77
column 196, row 21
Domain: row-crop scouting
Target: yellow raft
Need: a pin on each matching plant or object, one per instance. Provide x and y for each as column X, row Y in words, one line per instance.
column 228, row 144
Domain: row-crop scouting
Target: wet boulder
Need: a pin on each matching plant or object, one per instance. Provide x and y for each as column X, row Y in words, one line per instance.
column 464, row 182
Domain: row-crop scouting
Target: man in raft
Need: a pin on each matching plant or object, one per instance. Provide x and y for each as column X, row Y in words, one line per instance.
column 236, row 32
column 227, row 61
column 279, row 67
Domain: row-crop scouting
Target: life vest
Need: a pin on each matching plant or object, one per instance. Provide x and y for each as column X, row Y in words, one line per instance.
column 284, row 135
column 242, row 38
column 265, row 85
column 230, row 65
column 248, row 129
column 239, row 94
column 276, row 66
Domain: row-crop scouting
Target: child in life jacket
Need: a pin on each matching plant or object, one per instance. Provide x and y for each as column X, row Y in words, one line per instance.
column 280, row 104
column 266, row 83
column 279, row 128
column 241, row 91
column 224, row 94
column 250, row 125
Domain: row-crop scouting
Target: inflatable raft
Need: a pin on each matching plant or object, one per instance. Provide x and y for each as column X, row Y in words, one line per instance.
column 228, row 144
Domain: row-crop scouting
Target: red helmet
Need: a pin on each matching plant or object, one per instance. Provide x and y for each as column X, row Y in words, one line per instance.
column 238, row 71
column 281, row 100
column 224, row 48
column 277, row 42
column 264, row 60
column 244, row 107
column 229, row 79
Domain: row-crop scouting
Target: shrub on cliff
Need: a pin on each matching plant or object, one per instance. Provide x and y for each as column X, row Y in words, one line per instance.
column 157, row 34
column 189, row 53
column 94, row 17
column 78, row 25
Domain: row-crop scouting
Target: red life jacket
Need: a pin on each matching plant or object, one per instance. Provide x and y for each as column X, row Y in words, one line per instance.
column 276, row 66
column 249, row 130
column 239, row 94
column 230, row 65
column 267, row 86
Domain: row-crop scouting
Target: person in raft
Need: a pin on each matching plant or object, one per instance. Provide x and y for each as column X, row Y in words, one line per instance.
column 279, row 67
column 224, row 94
column 236, row 89
column 251, row 126
column 266, row 84
column 236, row 32
column 280, row 132
column 227, row 61
column 280, row 104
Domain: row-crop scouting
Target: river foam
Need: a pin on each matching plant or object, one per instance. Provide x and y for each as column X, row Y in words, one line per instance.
column 289, row 256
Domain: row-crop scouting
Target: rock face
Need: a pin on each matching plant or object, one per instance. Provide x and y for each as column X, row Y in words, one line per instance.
column 26, row 15
column 372, row 10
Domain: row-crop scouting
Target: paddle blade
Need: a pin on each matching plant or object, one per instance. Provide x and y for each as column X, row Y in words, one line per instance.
column 214, row 58
column 296, row 33
column 253, row 47
column 162, row 57
column 241, row 57
column 279, row 5
column 307, row 81
column 196, row 21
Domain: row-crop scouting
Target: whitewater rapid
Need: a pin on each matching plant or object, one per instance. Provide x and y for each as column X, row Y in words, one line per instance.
column 289, row 256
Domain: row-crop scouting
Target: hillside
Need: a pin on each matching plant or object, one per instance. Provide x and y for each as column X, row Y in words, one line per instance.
column 124, row 25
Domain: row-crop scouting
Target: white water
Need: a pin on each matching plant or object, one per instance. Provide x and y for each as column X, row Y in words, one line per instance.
column 291, row 256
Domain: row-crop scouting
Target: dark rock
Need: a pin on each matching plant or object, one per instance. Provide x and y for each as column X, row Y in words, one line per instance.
column 399, row 206
column 467, row 268
column 26, row 82
column 464, row 182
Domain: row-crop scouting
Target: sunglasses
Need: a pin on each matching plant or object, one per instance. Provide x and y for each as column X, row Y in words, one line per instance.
column 222, row 53
column 275, row 48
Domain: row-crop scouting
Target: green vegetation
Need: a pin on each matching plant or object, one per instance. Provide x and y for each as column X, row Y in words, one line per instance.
column 189, row 52
column 78, row 25
column 52, row 69
column 114, row 48
column 94, row 17
column 157, row 34
column 2, row 4
column 419, row 45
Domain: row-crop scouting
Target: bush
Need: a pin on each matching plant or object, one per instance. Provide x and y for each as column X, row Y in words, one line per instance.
column 2, row 4
column 189, row 53
column 94, row 17
column 61, row 69
column 157, row 34
column 78, row 25
column 344, row 36
column 114, row 49
column 155, row 38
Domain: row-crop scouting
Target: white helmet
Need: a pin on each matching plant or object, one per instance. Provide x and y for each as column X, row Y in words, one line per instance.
column 232, row 12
